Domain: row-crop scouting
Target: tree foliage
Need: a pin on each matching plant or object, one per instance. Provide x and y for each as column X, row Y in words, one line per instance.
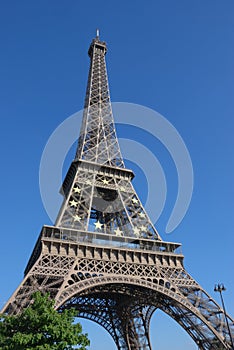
column 41, row 327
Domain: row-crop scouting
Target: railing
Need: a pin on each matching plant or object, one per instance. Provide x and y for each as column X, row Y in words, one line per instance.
column 101, row 239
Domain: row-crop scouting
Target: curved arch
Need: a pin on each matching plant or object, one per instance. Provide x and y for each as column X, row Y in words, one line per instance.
column 178, row 308
column 102, row 320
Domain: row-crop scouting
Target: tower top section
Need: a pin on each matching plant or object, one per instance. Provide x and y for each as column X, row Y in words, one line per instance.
column 98, row 141
column 99, row 197
column 97, row 45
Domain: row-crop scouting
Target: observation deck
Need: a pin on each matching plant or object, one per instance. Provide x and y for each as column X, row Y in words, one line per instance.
column 68, row 237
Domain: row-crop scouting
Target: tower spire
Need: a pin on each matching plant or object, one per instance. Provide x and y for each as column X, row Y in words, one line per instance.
column 98, row 142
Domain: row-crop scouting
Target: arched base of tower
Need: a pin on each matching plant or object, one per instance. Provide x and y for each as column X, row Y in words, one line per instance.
column 125, row 312
column 120, row 288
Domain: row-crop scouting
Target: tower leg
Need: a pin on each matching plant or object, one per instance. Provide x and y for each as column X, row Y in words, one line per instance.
column 135, row 326
column 126, row 320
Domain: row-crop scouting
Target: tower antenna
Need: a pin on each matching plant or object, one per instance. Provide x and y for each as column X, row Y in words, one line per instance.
column 97, row 34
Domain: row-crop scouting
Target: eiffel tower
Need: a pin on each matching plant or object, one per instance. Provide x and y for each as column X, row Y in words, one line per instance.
column 103, row 256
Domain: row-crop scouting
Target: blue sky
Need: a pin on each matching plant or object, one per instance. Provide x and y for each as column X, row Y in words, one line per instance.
column 175, row 57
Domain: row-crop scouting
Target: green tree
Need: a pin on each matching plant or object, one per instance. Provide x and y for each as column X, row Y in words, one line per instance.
column 41, row 327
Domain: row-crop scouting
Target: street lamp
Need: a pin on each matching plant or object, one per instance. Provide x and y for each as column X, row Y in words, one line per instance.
column 220, row 288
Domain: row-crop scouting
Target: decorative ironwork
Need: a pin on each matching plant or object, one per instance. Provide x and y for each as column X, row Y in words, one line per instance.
column 103, row 256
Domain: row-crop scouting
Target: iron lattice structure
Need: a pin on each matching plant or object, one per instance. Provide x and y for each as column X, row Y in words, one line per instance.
column 103, row 256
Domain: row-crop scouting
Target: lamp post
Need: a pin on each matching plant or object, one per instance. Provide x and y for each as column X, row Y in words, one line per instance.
column 220, row 288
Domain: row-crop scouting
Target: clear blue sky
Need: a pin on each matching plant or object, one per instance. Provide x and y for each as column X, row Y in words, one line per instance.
column 173, row 56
